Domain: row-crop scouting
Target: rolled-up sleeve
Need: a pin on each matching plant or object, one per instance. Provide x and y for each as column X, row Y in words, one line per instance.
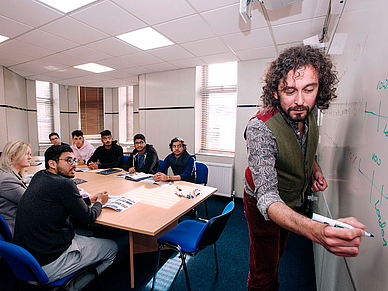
column 262, row 155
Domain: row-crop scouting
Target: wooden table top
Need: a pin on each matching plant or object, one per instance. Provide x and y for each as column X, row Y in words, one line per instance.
column 158, row 207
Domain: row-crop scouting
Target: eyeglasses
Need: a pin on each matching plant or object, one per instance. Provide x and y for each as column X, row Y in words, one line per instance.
column 70, row 161
column 139, row 142
column 107, row 138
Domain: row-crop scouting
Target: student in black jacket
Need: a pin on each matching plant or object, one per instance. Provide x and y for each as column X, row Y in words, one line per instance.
column 144, row 157
column 109, row 155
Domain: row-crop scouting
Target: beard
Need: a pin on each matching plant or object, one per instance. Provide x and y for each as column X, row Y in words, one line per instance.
column 66, row 174
column 305, row 111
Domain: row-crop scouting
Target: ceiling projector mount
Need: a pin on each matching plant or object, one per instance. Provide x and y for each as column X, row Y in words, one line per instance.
column 246, row 6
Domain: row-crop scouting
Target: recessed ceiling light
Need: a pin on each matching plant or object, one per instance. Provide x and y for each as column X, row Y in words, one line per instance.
column 67, row 5
column 145, row 39
column 95, row 68
column 3, row 38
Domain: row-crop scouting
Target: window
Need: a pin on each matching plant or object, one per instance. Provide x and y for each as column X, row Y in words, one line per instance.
column 218, row 102
column 91, row 110
column 47, row 98
column 126, row 114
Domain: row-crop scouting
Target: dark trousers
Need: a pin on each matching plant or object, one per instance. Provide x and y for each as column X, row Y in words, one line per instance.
column 267, row 243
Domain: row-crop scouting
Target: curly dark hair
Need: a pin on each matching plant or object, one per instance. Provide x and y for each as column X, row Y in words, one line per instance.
column 295, row 58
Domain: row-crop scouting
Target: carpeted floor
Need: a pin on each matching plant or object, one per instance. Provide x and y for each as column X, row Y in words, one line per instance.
column 296, row 270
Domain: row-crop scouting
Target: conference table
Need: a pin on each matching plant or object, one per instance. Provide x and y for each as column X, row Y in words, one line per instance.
column 156, row 212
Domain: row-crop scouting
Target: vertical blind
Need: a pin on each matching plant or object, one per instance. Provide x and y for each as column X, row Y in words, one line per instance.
column 218, row 112
column 92, row 110
column 45, row 110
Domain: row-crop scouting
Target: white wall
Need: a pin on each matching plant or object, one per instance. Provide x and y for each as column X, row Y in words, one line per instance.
column 249, row 89
column 166, row 108
column 18, row 109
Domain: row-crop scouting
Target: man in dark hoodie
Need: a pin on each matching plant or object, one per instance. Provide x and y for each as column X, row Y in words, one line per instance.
column 109, row 155
column 144, row 157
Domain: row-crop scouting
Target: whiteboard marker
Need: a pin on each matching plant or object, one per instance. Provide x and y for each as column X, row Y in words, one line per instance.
column 335, row 223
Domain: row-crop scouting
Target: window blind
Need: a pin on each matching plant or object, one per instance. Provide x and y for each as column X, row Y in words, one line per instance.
column 91, row 110
column 45, row 110
column 218, row 114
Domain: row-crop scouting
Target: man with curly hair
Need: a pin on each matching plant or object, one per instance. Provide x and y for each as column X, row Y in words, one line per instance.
column 281, row 140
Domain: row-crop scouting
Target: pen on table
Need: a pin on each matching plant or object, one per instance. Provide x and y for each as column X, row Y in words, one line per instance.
column 335, row 223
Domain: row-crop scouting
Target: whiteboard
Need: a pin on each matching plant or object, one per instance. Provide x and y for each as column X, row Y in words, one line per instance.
column 353, row 148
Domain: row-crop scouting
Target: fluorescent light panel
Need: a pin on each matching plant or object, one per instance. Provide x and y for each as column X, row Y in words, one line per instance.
column 95, row 68
column 67, row 5
column 3, row 38
column 145, row 39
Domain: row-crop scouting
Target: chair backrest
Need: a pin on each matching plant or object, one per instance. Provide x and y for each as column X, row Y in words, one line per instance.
column 214, row 227
column 24, row 266
column 125, row 158
column 202, row 172
column 5, row 232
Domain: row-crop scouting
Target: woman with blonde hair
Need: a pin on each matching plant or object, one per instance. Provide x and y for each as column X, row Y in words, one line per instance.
column 16, row 155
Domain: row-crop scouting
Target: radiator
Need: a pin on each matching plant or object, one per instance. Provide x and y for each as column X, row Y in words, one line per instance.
column 221, row 177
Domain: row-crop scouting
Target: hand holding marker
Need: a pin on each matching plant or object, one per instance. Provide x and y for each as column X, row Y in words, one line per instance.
column 335, row 223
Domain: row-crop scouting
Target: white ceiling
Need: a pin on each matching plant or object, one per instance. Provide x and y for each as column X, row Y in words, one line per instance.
column 45, row 44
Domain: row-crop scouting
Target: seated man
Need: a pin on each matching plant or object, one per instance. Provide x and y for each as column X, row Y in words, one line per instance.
column 180, row 161
column 55, row 139
column 144, row 157
column 82, row 149
column 43, row 224
column 109, row 155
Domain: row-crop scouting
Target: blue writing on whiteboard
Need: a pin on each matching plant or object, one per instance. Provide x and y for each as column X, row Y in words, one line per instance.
column 381, row 224
column 382, row 84
column 376, row 159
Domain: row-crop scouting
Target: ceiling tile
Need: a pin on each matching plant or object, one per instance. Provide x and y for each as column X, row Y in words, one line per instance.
column 47, row 40
column 116, row 63
column 227, row 20
column 298, row 11
column 257, row 53
column 25, row 48
column 185, row 29
column 100, row 17
column 62, row 74
column 11, row 28
column 188, row 63
column 63, row 58
column 22, row 72
column 74, row 30
column 28, row 12
column 203, row 5
column 206, row 47
column 220, row 58
column 45, row 77
column 297, row 31
column 14, row 58
column 138, row 70
column 141, row 59
column 162, row 67
column 169, row 53
column 88, row 54
column 172, row 9
column 113, row 46
column 116, row 74
column 39, row 66
column 246, row 40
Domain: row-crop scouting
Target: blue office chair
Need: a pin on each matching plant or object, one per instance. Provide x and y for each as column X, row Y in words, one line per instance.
column 125, row 158
column 5, row 232
column 27, row 269
column 202, row 174
column 191, row 236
